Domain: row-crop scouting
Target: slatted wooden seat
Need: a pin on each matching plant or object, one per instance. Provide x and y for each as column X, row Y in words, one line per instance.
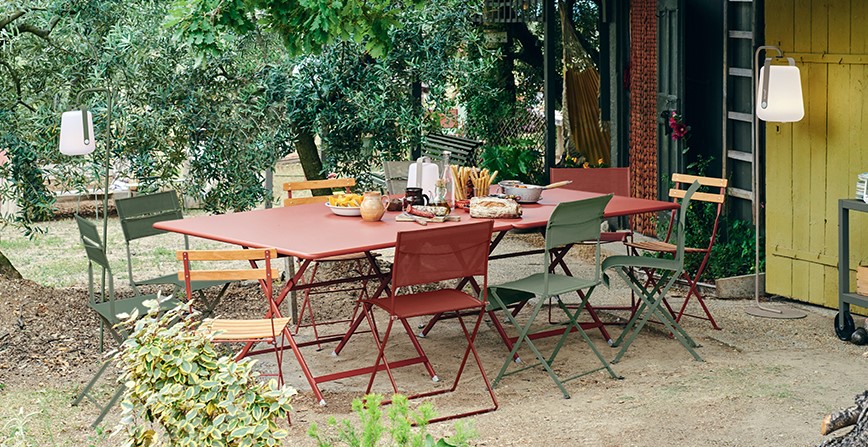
column 265, row 330
column 314, row 185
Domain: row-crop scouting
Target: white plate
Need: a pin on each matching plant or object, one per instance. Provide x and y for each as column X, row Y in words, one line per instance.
column 345, row 210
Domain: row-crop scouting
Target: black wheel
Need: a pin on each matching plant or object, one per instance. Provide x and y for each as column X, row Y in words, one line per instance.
column 849, row 326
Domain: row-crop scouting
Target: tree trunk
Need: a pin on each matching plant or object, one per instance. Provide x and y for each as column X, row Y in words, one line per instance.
column 858, row 415
column 7, row 270
column 311, row 164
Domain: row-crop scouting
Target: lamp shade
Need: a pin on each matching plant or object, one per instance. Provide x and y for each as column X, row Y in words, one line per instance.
column 784, row 100
column 72, row 140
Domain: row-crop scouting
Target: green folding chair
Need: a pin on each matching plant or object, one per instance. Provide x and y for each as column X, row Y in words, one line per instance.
column 107, row 307
column 138, row 215
column 570, row 223
column 652, row 295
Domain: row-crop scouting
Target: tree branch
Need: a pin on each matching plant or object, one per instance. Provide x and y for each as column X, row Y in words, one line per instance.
column 10, row 18
column 28, row 28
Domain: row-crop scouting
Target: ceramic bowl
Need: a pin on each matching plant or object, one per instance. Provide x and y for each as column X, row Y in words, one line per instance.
column 345, row 210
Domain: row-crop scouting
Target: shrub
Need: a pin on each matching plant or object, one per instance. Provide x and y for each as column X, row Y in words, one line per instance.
column 400, row 432
column 180, row 392
column 517, row 161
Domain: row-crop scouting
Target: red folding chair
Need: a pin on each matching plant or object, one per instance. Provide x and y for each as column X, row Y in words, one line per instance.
column 429, row 256
column 716, row 196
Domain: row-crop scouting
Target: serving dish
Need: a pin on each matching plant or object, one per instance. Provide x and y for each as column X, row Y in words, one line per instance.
column 351, row 211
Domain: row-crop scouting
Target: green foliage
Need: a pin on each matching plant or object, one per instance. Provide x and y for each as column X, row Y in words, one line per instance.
column 14, row 431
column 518, row 161
column 180, row 392
column 400, row 433
column 305, row 27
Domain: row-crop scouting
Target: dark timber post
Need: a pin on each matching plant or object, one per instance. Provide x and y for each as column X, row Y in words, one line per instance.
column 549, row 88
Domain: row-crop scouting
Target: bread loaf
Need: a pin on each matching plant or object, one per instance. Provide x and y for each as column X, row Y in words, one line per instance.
column 494, row 208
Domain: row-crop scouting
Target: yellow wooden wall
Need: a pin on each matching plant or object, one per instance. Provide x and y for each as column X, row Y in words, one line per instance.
column 813, row 163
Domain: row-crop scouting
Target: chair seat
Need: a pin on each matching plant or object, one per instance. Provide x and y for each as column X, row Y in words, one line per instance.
column 236, row 330
column 427, row 303
column 615, row 236
column 558, row 284
column 128, row 305
column 641, row 262
column 660, row 246
column 179, row 283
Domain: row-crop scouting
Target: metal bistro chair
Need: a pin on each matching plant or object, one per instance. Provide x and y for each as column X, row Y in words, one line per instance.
column 716, row 198
column 359, row 260
column 570, row 223
column 107, row 306
column 429, row 256
column 266, row 330
column 653, row 294
column 138, row 215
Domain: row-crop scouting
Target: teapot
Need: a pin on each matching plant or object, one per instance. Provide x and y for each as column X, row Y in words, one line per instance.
column 373, row 206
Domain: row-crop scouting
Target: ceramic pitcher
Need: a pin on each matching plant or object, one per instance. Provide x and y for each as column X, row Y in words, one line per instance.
column 372, row 207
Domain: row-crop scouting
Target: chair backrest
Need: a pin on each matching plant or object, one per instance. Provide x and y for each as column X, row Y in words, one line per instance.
column 395, row 173
column 93, row 246
column 439, row 254
column 717, row 195
column 601, row 180
column 682, row 220
column 264, row 274
column 463, row 149
column 312, row 185
column 573, row 223
column 139, row 214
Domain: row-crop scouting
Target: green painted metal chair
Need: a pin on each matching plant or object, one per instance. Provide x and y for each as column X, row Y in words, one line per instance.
column 652, row 295
column 570, row 223
column 108, row 307
column 138, row 215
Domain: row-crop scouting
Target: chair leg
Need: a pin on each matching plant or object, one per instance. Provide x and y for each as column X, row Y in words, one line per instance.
column 652, row 306
column 573, row 323
column 419, row 350
column 523, row 338
column 381, row 353
column 86, row 393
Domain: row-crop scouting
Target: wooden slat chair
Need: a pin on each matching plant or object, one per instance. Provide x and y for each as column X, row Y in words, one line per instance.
column 138, row 215
column 107, row 306
column 358, row 259
column 717, row 197
column 463, row 149
column 265, row 330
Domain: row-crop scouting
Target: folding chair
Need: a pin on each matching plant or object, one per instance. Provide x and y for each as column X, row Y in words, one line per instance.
column 107, row 306
column 677, row 193
column 654, row 293
column 138, row 215
column 395, row 173
column 265, row 330
column 604, row 181
column 358, row 259
column 429, row 256
column 570, row 223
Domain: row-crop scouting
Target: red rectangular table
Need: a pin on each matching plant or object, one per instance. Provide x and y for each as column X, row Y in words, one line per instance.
column 311, row 232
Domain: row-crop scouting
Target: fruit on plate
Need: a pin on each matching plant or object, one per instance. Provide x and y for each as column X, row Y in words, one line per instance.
column 345, row 200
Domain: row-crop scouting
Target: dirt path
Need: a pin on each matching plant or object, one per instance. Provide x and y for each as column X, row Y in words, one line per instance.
column 763, row 382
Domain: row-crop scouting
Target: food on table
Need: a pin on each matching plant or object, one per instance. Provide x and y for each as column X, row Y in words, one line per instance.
column 471, row 179
column 345, row 200
column 494, row 208
column 428, row 209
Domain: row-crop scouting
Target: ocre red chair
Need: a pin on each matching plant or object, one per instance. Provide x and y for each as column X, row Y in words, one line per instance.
column 429, row 256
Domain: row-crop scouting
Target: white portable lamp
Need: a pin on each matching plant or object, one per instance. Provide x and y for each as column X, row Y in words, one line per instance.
column 77, row 138
column 778, row 98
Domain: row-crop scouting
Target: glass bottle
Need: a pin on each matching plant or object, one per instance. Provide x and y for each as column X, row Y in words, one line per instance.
column 444, row 186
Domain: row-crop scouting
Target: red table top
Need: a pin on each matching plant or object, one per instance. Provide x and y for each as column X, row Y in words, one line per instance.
column 313, row 232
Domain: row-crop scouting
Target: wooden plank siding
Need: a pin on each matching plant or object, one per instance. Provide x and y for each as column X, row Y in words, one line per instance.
column 813, row 163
